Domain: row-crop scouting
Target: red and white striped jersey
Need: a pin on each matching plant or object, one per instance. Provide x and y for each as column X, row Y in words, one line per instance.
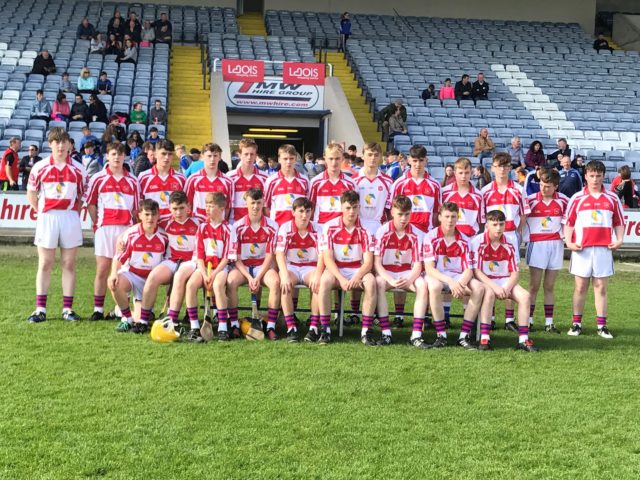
column 182, row 237
column 594, row 217
column 115, row 198
column 215, row 243
column 544, row 221
column 471, row 212
column 142, row 252
column 425, row 197
column 325, row 194
column 375, row 195
column 59, row 187
column 300, row 250
column 449, row 258
column 280, row 194
column 254, row 245
column 159, row 187
column 497, row 262
column 199, row 185
column 511, row 202
column 347, row 245
column 398, row 252
column 242, row 184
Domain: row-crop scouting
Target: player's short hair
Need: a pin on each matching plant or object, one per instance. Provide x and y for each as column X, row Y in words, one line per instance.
column 448, row 207
column 149, row 205
column 334, row 147
column 496, row 216
column 402, row 203
column 247, row 143
column 287, row 149
column 178, row 198
column 307, row 156
column 211, row 147
column 117, row 146
column 625, row 172
column 549, row 175
column 351, row 197
column 462, row 163
column 372, row 146
column 418, row 151
column 165, row 144
column 253, row 194
column 146, row 146
column 595, row 166
column 57, row 134
column 219, row 199
column 303, row 202
column 501, row 159
column 153, row 129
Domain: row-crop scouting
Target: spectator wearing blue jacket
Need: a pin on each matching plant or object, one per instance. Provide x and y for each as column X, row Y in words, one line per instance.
column 85, row 30
column 345, row 31
column 570, row 178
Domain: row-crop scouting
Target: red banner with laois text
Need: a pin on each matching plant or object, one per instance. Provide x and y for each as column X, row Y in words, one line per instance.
column 303, row 73
column 242, row 70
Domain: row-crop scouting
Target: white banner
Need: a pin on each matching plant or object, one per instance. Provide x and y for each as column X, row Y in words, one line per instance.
column 273, row 93
column 15, row 212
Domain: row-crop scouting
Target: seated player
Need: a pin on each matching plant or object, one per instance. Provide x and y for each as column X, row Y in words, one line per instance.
column 215, row 245
column 181, row 231
column 348, row 258
column 112, row 203
column 448, row 267
column 208, row 180
column 144, row 247
column 255, row 237
column 545, row 250
column 494, row 264
column 298, row 262
column 398, row 264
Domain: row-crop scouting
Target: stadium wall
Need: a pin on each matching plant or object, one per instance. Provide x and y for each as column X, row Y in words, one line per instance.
column 219, row 119
column 626, row 31
column 342, row 124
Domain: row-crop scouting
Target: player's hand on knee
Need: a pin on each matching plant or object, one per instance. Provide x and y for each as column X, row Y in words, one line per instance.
column 254, row 285
column 344, row 284
column 112, row 282
column 286, row 285
column 314, row 283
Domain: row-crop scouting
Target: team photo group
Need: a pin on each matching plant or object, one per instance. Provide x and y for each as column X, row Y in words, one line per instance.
column 359, row 232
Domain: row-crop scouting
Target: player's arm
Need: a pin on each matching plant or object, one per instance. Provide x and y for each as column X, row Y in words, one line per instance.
column 330, row 265
column 314, row 283
column 497, row 289
column 221, row 266
column 512, row 282
column 568, row 235
column 243, row 269
column 367, row 265
column 618, row 230
column 118, row 260
column 32, row 198
column 286, row 285
column 382, row 272
column 267, row 264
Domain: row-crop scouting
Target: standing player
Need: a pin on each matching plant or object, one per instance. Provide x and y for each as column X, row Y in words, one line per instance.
column 245, row 177
column 255, row 236
column 55, row 189
column 494, row 264
column 298, row 262
column 545, row 250
column 593, row 216
column 112, row 202
column 348, row 258
column 507, row 196
column 284, row 187
column 161, row 180
column 398, row 264
column 447, row 263
column 208, row 180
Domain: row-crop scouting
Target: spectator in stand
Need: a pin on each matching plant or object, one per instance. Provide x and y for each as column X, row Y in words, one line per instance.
column 98, row 45
column 195, row 154
column 309, row 165
column 137, row 137
column 157, row 114
column 447, row 92
column 91, row 160
column 61, row 109
column 26, row 163
column 66, row 85
column 197, row 165
column 133, row 28
column 184, row 160
column 137, row 115
column 40, row 108
column 532, row 182
column 79, row 109
column 578, row 164
column 163, row 29
column 517, row 155
column 483, row 147
column 116, row 26
column 87, row 136
column 520, row 175
column 97, row 110
column 449, row 176
column 396, row 125
column 118, row 130
column 482, row 176
column 535, row 156
column 114, row 46
column 104, row 84
column 43, row 64
column 130, row 54
column 154, row 136
column 480, row 88
column 116, row 16
column 145, row 160
column 601, row 43
column 134, row 150
column 148, row 34
column 428, row 93
column 563, row 148
column 86, row 83
column 75, row 155
column 272, row 165
column 389, row 110
column 10, row 166
column 394, row 169
column 623, row 186
column 345, row 31
column 570, row 178
column 463, row 88
column 108, row 136
column 85, row 30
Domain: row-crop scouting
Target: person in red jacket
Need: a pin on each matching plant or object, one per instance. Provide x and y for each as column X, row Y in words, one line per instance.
column 10, row 166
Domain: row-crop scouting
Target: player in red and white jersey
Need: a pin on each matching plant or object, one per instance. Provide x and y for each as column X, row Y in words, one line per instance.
column 112, row 202
column 374, row 188
column 284, row 187
column 545, row 250
column 161, row 180
column 348, row 258
column 326, row 188
column 448, row 266
column 421, row 188
column 468, row 198
column 145, row 245
column 398, row 264
column 55, row 190
column 245, row 177
column 256, row 246
column 208, row 180
column 298, row 262
column 592, row 219
column 494, row 263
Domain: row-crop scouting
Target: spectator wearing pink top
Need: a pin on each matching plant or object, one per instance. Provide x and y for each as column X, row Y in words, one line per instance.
column 61, row 109
column 447, row 92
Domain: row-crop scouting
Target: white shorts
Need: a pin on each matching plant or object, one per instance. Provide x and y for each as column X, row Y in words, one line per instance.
column 514, row 239
column 300, row 272
column 502, row 282
column 546, row 255
column 58, row 228
column 190, row 265
column 105, row 239
column 136, row 281
column 594, row 262
column 398, row 275
column 173, row 266
column 348, row 273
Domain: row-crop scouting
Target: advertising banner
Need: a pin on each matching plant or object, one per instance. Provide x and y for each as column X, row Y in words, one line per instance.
column 15, row 212
column 274, row 93
column 303, row 73
column 242, row 70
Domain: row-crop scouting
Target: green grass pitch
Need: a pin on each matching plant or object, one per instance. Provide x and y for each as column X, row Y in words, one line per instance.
column 80, row 401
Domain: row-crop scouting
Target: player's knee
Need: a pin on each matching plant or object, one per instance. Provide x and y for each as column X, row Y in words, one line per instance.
column 381, row 283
